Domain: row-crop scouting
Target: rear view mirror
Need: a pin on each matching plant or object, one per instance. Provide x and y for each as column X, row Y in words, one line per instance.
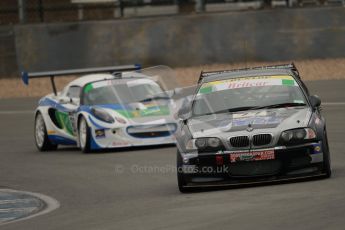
column 315, row 101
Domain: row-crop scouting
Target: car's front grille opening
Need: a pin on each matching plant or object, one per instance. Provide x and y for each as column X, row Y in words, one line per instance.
column 240, row 141
column 151, row 131
column 262, row 139
column 151, row 134
column 255, row 168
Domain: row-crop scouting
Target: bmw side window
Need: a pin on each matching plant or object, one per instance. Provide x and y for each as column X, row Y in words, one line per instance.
column 73, row 92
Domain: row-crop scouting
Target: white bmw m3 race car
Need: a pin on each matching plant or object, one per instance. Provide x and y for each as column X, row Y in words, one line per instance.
column 107, row 108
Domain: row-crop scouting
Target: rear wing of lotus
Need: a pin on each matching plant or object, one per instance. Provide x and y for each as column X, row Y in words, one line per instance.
column 290, row 66
column 52, row 74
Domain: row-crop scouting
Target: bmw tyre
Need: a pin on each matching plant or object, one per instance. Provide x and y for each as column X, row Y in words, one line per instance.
column 84, row 135
column 41, row 137
column 181, row 180
column 326, row 157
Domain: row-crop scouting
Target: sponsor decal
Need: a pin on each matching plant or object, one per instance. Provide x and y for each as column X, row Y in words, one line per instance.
column 88, row 87
column 245, row 82
column 256, row 121
column 251, row 114
column 252, row 156
column 120, row 143
column 100, row 133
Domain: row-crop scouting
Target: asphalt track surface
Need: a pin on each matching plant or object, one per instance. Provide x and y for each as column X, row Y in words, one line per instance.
column 137, row 189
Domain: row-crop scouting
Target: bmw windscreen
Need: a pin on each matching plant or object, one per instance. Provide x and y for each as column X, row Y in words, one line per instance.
column 247, row 93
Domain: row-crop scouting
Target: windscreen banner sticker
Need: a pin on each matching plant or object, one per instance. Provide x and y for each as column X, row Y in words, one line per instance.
column 246, row 82
column 111, row 82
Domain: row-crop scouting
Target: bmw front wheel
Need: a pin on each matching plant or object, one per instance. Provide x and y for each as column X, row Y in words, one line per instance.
column 181, row 180
column 326, row 156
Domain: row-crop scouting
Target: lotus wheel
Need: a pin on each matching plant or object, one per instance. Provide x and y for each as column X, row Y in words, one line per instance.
column 84, row 135
column 41, row 137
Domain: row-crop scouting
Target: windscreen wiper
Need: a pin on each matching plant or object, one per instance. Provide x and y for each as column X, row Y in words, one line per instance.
column 286, row 104
column 155, row 98
column 243, row 108
column 229, row 110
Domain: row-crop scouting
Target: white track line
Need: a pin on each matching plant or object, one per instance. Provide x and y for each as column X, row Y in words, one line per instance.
column 26, row 209
column 14, row 201
column 50, row 204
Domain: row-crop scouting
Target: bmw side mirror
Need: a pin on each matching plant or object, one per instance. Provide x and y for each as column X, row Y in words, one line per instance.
column 315, row 101
column 170, row 93
column 184, row 113
column 177, row 90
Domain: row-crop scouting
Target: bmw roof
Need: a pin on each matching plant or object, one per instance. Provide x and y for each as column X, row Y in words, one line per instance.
column 246, row 73
column 284, row 69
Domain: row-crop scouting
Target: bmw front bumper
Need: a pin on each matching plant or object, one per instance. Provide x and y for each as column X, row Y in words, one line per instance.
column 289, row 163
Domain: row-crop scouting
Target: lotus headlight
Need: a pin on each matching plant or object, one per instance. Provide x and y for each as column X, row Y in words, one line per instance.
column 102, row 115
column 120, row 120
column 298, row 134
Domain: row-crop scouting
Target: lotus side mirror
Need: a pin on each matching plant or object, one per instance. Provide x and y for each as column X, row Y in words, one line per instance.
column 75, row 101
column 315, row 101
column 65, row 100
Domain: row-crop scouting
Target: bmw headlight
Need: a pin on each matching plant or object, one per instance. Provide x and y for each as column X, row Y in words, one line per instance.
column 205, row 144
column 295, row 135
column 102, row 115
column 213, row 142
column 201, row 143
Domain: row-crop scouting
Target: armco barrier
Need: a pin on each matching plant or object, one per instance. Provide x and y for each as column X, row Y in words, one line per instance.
column 8, row 62
column 266, row 35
